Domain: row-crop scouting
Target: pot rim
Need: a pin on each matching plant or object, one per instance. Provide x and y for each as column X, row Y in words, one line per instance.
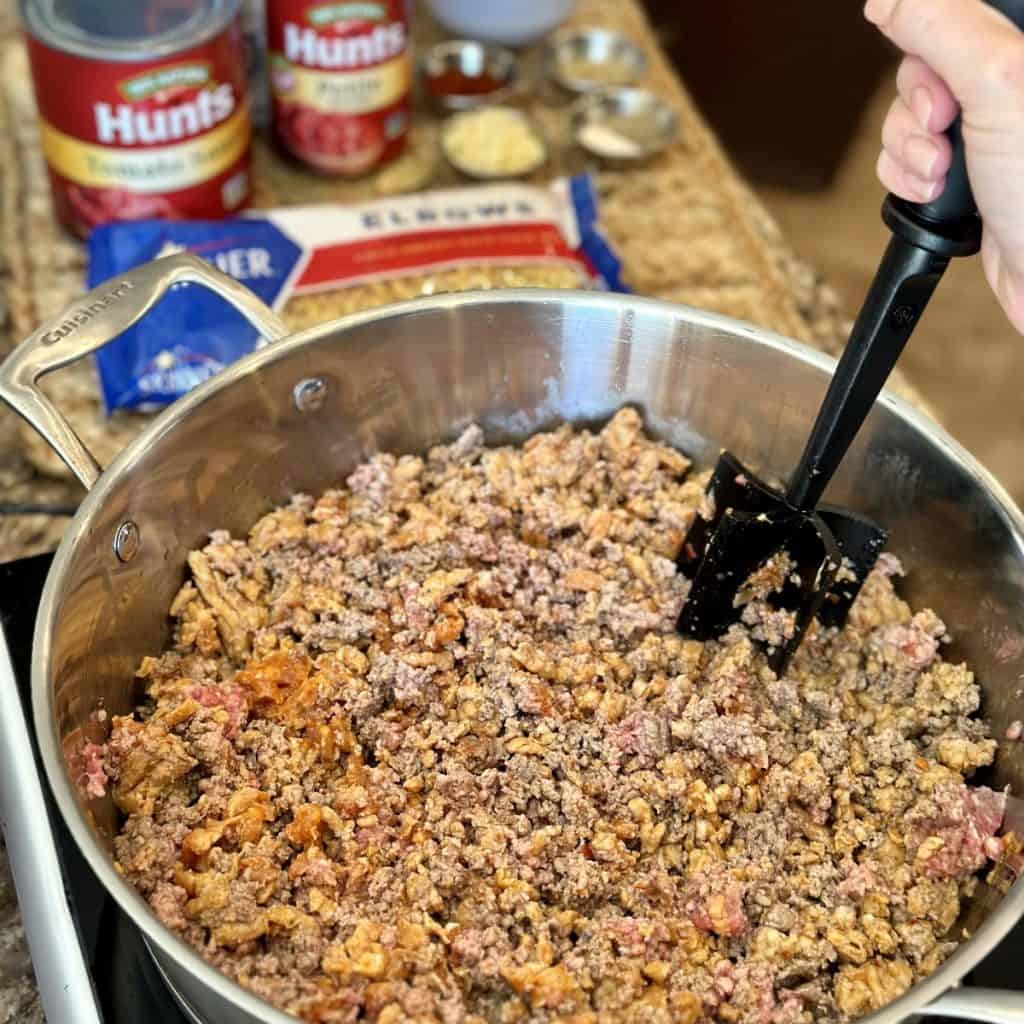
column 967, row 955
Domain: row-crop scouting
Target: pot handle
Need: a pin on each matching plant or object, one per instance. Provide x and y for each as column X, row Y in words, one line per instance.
column 97, row 318
column 991, row 1005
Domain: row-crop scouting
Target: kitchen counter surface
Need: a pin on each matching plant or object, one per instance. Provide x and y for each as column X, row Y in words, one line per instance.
column 687, row 227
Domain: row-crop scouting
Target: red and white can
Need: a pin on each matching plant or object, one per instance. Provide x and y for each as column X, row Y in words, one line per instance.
column 340, row 76
column 143, row 108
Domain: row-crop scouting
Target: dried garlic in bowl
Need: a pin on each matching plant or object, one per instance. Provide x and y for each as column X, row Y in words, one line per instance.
column 493, row 142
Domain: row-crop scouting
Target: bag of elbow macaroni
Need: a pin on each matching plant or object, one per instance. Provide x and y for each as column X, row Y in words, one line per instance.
column 314, row 264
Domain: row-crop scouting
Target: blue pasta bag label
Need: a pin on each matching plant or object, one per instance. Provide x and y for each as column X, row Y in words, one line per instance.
column 192, row 333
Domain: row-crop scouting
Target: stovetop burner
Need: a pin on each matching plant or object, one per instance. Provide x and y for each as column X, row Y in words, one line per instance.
column 127, row 984
column 128, row 987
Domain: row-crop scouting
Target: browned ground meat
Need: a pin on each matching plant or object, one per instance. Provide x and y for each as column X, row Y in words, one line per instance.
column 428, row 748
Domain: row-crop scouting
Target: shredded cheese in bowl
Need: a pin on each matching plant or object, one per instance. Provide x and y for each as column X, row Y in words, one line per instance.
column 493, row 142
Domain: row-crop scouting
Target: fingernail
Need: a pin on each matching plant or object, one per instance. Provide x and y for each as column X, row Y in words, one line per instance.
column 921, row 154
column 878, row 11
column 921, row 104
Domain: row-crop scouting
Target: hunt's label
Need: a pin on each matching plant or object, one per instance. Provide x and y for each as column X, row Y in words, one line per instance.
column 340, row 78
column 165, row 138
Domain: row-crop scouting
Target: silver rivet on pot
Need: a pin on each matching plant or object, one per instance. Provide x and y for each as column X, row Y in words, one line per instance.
column 126, row 541
column 310, row 394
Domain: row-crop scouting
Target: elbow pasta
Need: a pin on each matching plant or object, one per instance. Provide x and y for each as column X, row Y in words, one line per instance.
column 316, row 263
column 302, row 311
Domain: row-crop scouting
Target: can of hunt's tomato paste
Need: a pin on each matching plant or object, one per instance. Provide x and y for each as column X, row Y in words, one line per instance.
column 143, row 107
column 340, row 79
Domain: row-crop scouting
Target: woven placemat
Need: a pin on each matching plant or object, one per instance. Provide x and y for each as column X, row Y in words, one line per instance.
column 687, row 229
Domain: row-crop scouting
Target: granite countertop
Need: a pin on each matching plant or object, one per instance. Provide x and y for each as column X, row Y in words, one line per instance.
column 687, row 227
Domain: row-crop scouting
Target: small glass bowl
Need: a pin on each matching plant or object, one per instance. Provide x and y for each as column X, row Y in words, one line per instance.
column 571, row 52
column 623, row 125
column 471, row 59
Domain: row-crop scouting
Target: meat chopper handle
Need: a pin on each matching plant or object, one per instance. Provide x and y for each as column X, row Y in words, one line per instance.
column 957, row 200
column 925, row 237
column 97, row 318
column 949, row 224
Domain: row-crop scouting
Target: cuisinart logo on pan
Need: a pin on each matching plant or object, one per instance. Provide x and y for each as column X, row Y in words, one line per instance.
column 80, row 317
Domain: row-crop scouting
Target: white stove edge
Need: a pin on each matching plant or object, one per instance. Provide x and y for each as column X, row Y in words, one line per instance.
column 65, row 988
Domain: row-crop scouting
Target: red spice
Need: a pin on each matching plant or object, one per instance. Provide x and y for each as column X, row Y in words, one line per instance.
column 453, row 82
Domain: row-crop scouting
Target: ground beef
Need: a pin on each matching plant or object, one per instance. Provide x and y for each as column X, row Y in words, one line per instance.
column 91, row 776
column 428, row 747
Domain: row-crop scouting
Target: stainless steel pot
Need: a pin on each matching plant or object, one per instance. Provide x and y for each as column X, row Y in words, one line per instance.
column 298, row 415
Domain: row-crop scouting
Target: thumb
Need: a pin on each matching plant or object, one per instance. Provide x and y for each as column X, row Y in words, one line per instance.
column 975, row 49
column 979, row 54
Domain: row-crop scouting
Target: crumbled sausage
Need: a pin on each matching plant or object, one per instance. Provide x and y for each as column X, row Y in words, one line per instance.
column 429, row 748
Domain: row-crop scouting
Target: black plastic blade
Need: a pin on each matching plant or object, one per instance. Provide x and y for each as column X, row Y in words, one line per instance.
column 750, row 523
column 816, row 560
column 739, row 545
column 732, row 486
column 860, row 541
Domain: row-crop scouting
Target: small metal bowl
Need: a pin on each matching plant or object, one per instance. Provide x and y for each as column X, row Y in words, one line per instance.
column 472, row 59
column 572, row 52
column 475, row 172
column 623, row 125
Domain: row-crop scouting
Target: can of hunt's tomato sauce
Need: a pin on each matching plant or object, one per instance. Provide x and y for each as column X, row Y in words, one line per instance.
column 340, row 79
column 143, row 107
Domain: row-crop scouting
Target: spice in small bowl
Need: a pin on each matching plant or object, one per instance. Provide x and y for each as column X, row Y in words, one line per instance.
column 589, row 59
column 463, row 73
column 492, row 142
column 623, row 124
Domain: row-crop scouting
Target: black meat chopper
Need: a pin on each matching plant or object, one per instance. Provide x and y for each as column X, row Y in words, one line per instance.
column 831, row 550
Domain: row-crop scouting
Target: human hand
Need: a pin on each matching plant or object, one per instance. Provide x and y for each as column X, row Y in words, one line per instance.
column 962, row 55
